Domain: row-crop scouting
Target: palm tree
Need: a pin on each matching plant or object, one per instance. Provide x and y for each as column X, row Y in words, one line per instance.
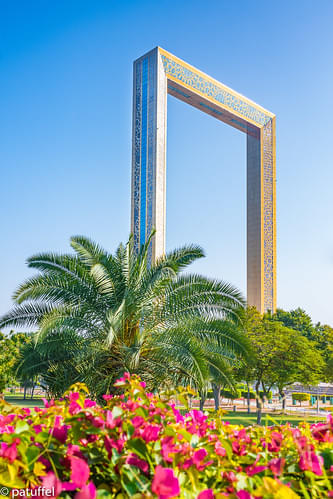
column 128, row 315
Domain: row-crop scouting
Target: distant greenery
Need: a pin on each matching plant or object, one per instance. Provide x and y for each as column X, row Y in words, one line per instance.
column 10, row 347
column 321, row 336
column 100, row 314
column 281, row 356
column 301, row 397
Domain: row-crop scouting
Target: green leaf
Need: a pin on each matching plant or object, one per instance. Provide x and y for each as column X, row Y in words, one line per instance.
column 21, row 426
column 139, row 447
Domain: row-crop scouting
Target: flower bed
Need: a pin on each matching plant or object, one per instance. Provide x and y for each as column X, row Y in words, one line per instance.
column 139, row 445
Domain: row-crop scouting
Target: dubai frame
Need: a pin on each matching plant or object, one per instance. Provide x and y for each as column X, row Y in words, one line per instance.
column 159, row 73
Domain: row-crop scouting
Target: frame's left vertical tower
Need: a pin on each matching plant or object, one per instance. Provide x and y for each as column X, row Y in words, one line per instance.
column 149, row 152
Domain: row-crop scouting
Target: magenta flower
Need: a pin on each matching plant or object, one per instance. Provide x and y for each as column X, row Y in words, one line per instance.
column 122, row 381
column 275, row 444
column 79, row 471
column 89, row 403
column 168, row 448
column 74, row 408
column 61, row 433
column 137, row 421
column 310, row 461
column 206, row 494
column 219, row 449
column 150, row 433
column 238, row 449
column 51, row 482
column 254, row 470
column 276, row 465
column 139, row 463
column 87, row 492
column 165, row 483
column 243, row 494
column 9, row 451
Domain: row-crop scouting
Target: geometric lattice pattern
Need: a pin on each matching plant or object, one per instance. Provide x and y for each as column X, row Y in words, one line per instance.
column 159, row 73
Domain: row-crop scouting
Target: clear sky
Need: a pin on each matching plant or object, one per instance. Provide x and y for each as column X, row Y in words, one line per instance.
column 65, row 120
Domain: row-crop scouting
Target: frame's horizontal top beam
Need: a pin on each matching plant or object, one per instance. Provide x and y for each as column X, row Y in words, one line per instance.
column 206, row 106
column 222, row 97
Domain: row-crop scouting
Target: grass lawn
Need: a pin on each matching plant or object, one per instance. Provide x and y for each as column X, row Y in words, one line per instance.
column 269, row 419
column 19, row 401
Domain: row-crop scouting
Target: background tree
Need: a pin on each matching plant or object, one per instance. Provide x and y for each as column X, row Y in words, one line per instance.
column 281, row 356
column 10, row 346
column 321, row 335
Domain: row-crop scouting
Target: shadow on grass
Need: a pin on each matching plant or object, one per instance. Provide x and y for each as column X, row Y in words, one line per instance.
column 18, row 401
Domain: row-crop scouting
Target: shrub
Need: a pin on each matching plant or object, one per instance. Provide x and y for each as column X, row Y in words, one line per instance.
column 231, row 395
column 252, row 394
column 139, row 445
column 301, row 397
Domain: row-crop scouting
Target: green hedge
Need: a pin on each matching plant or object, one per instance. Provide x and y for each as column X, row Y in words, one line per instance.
column 301, row 397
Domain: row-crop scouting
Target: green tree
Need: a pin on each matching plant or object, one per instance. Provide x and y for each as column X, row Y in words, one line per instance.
column 321, row 335
column 9, row 351
column 131, row 316
column 281, row 357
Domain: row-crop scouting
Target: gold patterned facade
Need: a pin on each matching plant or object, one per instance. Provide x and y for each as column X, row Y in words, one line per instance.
column 159, row 73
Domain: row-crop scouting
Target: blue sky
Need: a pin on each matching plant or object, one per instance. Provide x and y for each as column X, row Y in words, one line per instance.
column 65, row 156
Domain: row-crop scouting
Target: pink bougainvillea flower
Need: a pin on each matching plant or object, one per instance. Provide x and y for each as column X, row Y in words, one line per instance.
column 107, row 397
column 178, row 416
column 206, row 494
column 51, row 482
column 89, row 403
column 275, row 444
column 219, row 449
column 139, row 463
column 48, row 403
column 122, row 381
column 110, row 420
column 165, row 483
column 310, row 461
column 168, row 448
column 96, row 421
column 150, row 433
column 74, row 396
column 198, row 416
column 9, row 451
column 137, row 421
column 143, row 384
column 238, row 449
column 87, row 492
column 254, row 470
column 113, row 444
column 243, row 494
column 74, row 408
column 229, row 475
column 242, row 435
column 276, row 465
column 79, row 471
column 74, row 450
column 61, row 433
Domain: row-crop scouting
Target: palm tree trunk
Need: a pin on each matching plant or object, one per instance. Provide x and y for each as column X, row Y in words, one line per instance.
column 216, row 394
column 259, row 406
column 248, row 398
